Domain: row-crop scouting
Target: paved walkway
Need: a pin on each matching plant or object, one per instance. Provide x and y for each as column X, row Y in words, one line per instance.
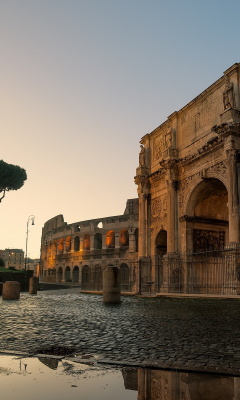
column 175, row 333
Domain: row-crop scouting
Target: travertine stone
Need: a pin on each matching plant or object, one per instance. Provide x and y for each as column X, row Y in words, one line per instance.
column 11, row 290
column 33, row 285
column 111, row 285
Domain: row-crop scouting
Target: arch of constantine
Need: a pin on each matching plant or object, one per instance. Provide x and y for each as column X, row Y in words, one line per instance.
column 182, row 233
column 188, row 188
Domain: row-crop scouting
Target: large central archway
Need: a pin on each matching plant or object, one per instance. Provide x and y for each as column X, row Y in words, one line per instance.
column 207, row 217
column 207, row 234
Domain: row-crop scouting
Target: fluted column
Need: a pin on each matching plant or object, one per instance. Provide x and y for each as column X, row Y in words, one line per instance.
column 172, row 228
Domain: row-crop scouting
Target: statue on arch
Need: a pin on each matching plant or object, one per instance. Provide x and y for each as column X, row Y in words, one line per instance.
column 228, row 95
column 142, row 156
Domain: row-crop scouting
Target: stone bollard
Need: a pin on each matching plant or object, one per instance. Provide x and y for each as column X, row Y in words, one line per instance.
column 33, row 285
column 1, row 288
column 111, row 285
column 11, row 290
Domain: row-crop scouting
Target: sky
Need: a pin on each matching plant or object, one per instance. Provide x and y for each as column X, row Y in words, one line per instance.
column 81, row 82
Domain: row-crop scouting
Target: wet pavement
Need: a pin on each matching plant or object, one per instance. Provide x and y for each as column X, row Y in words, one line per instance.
column 179, row 334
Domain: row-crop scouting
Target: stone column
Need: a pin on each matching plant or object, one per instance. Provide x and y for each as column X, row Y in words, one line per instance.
column 91, row 242
column 172, row 229
column 131, row 242
column 117, row 244
column 233, row 197
column 81, row 243
column 111, row 285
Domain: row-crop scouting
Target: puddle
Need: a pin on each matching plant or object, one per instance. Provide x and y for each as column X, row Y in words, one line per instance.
column 33, row 378
column 53, row 378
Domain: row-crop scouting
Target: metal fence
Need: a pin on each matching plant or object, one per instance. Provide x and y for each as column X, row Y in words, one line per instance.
column 210, row 272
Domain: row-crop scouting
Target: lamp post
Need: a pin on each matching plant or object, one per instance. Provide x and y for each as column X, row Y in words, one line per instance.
column 30, row 218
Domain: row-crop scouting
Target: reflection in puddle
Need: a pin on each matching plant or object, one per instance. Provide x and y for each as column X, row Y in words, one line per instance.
column 32, row 378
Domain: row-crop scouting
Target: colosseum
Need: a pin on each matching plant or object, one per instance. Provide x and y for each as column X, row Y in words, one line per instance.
column 80, row 251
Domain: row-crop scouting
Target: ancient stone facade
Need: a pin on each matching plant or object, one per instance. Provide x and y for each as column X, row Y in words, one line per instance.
column 79, row 252
column 188, row 188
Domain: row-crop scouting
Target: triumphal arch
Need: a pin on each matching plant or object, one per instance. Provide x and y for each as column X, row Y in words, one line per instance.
column 188, row 189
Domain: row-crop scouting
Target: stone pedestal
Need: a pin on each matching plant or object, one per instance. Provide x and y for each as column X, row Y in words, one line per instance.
column 11, row 290
column 111, row 285
column 33, row 285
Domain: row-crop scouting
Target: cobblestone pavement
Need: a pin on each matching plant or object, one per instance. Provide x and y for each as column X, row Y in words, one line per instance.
column 188, row 334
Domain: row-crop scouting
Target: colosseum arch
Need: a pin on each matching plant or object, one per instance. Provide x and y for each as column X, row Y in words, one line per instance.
column 75, row 274
column 76, row 243
column 124, row 238
column 67, row 274
column 86, row 274
column 60, row 274
column 97, row 277
column 125, row 277
column 98, row 241
column 110, row 240
column 207, row 216
column 60, row 246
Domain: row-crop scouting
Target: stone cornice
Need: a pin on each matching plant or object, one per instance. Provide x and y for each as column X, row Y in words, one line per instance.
column 228, row 129
column 211, row 144
column 209, row 221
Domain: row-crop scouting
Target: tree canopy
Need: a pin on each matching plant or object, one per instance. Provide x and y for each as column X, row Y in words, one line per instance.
column 12, row 177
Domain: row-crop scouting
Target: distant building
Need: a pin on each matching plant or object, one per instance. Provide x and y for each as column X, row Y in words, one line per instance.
column 13, row 258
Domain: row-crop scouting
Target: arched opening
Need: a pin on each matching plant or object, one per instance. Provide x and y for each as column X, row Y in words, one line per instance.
column 60, row 274
column 207, row 217
column 125, row 277
column 67, row 274
column 68, row 244
column 110, row 240
column 98, row 241
column 76, row 243
column 85, row 277
column 97, row 278
column 207, row 234
column 123, row 239
column 86, row 242
column 161, row 243
column 76, row 274
column 160, row 250
column 60, row 246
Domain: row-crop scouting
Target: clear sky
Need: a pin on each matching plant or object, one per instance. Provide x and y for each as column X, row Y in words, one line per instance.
column 82, row 81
